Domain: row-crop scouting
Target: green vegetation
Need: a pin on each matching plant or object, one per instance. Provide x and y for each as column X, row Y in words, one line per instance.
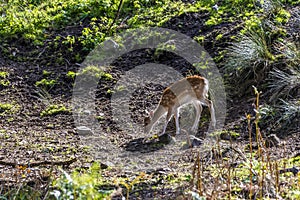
column 3, row 79
column 46, row 73
column 265, row 55
column 94, row 71
column 71, row 75
column 5, row 107
column 8, row 108
column 4, row 74
column 45, row 83
column 80, row 185
column 54, row 110
column 35, row 21
column 22, row 192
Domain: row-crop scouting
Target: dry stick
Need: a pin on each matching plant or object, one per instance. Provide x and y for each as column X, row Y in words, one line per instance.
column 258, row 139
column 250, row 162
column 34, row 164
column 229, row 172
column 193, row 173
column 277, row 178
column 199, row 185
column 262, row 147
column 216, row 151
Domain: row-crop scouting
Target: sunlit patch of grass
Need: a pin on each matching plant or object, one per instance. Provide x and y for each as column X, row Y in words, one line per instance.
column 94, row 71
column 258, row 48
column 250, row 58
column 54, row 110
column 8, row 108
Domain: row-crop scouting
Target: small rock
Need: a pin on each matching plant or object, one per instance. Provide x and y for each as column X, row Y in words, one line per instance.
column 196, row 141
column 83, row 131
column 272, row 140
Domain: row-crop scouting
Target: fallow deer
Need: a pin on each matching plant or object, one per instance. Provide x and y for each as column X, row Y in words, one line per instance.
column 192, row 89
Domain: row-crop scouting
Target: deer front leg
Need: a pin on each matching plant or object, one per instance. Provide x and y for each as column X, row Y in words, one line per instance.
column 177, row 120
column 169, row 115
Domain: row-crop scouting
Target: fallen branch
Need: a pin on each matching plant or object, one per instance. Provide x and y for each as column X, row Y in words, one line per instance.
column 34, row 164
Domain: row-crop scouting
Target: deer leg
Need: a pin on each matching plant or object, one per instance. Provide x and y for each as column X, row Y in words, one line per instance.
column 169, row 115
column 158, row 113
column 177, row 120
column 212, row 113
column 199, row 109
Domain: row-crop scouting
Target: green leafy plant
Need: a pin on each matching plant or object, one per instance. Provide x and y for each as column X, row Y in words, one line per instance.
column 45, row 83
column 80, row 185
column 131, row 184
column 71, row 75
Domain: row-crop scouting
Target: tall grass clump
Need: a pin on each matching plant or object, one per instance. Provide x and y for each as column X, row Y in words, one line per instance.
column 252, row 56
column 267, row 55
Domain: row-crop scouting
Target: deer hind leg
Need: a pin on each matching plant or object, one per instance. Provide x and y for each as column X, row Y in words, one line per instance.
column 212, row 113
column 199, row 109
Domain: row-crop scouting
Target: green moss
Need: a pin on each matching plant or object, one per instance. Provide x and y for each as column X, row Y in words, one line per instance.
column 220, row 36
column 54, row 110
column 5, row 107
column 8, row 108
column 3, row 79
column 4, row 74
column 97, row 72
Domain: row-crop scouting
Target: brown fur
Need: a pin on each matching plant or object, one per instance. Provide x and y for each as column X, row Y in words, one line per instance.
column 186, row 85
